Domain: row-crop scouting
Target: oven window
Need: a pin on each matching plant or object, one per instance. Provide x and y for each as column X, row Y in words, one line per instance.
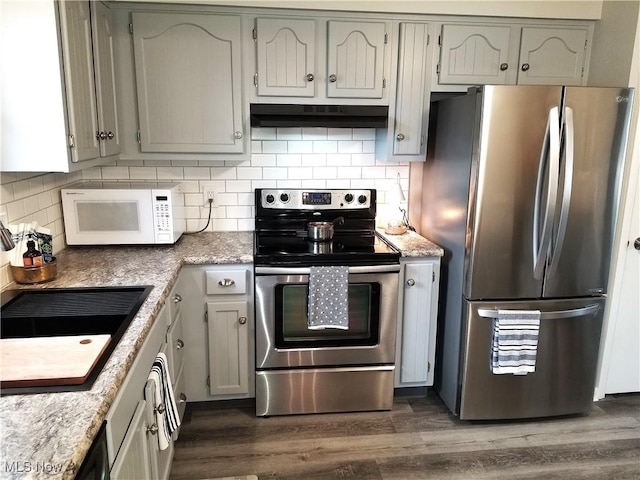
column 291, row 318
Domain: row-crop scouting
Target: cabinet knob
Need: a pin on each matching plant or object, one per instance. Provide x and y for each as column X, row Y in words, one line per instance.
column 333, row 78
column 182, row 398
column 101, row 135
column 159, row 408
column 411, row 282
column 227, row 282
column 153, row 429
column 525, row 67
column 636, row 244
column 504, row 66
column 400, row 137
column 110, row 135
column 179, row 344
column 237, row 135
column 242, row 320
column 177, row 298
column 310, row 77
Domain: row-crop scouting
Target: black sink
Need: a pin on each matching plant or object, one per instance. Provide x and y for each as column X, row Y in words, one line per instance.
column 70, row 311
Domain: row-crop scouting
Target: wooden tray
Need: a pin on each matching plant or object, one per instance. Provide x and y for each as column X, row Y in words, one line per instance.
column 44, row 361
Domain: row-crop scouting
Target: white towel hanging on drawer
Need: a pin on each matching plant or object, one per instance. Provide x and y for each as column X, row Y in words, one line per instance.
column 515, row 342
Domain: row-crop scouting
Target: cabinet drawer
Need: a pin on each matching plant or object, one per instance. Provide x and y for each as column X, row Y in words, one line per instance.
column 222, row 282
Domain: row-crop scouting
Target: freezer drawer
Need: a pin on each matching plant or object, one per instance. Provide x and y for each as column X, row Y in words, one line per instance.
column 567, row 356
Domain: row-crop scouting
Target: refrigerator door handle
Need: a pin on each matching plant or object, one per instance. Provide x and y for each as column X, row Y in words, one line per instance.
column 553, row 315
column 549, row 162
column 566, row 192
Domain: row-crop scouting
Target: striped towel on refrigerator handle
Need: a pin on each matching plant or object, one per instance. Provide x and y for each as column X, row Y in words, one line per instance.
column 515, row 342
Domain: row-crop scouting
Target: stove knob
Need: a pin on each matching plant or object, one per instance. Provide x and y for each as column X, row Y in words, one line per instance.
column 348, row 197
column 270, row 198
column 284, row 197
column 362, row 199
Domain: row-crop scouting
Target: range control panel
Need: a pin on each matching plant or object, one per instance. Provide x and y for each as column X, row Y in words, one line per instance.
column 309, row 199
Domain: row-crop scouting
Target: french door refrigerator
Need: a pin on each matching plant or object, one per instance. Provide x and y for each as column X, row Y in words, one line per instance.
column 521, row 188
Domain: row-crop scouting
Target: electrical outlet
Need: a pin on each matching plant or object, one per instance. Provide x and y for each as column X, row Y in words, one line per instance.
column 208, row 192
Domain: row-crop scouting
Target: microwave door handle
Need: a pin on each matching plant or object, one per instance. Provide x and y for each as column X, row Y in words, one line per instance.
column 566, row 191
column 549, row 161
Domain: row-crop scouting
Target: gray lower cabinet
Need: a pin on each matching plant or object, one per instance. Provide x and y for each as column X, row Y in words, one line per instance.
column 132, row 431
column 417, row 321
column 218, row 327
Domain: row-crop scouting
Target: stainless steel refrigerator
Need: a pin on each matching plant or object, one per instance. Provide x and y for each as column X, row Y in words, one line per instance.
column 521, row 188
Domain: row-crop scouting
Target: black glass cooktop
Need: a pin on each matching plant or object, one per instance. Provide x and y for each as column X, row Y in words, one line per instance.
column 346, row 248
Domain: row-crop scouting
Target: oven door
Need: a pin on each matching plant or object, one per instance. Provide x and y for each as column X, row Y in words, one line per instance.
column 284, row 341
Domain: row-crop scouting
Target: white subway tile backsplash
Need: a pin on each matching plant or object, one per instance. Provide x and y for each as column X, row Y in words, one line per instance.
column 314, row 157
column 276, row 146
column 325, row 146
column 364, row 134
column 289, row 160
column 291, row 133
column 263, row 133
column 350, row 146
column 314, row 133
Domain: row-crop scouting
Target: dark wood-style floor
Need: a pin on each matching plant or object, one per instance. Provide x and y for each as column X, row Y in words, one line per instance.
column 418, row 439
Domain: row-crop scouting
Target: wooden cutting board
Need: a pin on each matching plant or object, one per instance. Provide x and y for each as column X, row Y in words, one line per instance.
column 44, row 361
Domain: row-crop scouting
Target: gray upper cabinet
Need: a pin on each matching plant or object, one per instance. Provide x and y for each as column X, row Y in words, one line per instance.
column 320, row 59
column 103, row 45
column 552, row 56
column 286, row 57
column 188, row 80
column 472, row 54
column 355, row 59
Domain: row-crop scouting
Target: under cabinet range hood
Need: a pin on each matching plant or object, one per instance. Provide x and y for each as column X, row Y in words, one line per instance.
column 334, row 116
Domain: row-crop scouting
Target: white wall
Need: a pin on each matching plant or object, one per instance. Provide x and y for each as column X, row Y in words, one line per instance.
column 571, row 9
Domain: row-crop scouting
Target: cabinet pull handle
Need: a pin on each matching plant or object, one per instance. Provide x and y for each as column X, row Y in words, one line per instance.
column 310, row 77
column 525, row 67
column 400, row 137
column 411, row 282
column 183, row 398
column 242, row 320
column 333, row 78
column 227, row 282
column 179, row 344
column 177, row 298
column 504, row 66
column 153, row 429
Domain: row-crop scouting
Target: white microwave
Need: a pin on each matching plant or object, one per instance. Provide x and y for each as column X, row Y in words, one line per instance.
column 99, row 213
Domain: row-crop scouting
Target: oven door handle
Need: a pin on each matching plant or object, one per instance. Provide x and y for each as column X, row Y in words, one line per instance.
column 305, row 270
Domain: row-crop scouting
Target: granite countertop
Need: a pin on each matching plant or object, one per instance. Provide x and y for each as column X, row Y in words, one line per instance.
column 42, row 436
column 413, row 245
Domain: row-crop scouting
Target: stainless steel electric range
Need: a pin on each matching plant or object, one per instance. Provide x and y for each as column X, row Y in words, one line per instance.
column 305, row 370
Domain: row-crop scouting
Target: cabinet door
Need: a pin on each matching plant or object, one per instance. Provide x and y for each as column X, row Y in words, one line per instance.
column 188, row 82
column 355, row 59
column 228, row 347
column 475, row 54
column 175, row 347
column 102, row 21
column 77, row 56
column 133, row 462
column 411, row 106
column 552, row 56
column 286, row 57
column 160, row 459
column 416, row 350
